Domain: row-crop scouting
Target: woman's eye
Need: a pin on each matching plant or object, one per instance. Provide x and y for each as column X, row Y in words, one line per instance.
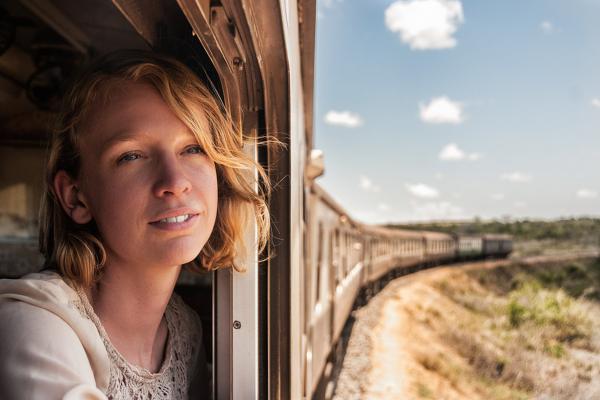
column 128, row 157
column 195, row 150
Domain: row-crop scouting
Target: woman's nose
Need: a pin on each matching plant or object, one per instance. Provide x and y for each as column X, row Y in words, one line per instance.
column 171, row 178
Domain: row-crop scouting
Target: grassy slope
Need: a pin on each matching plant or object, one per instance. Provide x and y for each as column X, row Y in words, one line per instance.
column 513, row 332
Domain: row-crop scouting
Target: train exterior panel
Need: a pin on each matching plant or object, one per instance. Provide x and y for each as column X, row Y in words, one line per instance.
column 440, row 247
column 497, row 245
column 322, row 270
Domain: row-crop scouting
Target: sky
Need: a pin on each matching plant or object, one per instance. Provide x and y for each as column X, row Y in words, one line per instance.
column 455, row 109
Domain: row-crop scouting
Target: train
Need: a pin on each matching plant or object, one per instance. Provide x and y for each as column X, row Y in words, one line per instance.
column 350, row 262
column 272, row 331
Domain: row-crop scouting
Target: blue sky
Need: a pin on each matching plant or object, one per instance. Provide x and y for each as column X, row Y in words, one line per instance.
column 448, row 109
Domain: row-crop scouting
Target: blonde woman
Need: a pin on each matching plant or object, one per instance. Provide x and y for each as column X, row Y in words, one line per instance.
column 145, row 174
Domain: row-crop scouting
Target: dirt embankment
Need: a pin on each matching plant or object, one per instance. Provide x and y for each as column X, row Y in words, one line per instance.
column 489, row 330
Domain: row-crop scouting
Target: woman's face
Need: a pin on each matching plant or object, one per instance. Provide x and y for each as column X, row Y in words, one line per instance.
column 140, row 168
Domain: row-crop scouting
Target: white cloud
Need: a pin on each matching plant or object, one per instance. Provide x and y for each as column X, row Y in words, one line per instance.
column 442, row 210
column 596, row 102
column 343, row 118
column 442, row 110
column 439, row 176
column 422, row 190
column 497, row 196
column 451, row 152
column 383, row 207
column 330, row 3
column 586, row 194
column 519, row 204
column 425, row 24
column 367, row 185
column 547, row 27
column 516, row 176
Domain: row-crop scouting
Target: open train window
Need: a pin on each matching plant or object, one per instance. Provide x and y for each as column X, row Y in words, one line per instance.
column 320, row 266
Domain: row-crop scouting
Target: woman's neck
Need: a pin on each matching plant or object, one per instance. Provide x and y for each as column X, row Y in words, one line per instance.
column 131, row 304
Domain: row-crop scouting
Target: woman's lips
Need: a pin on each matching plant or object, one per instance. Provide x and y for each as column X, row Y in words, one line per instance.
column 176, row 226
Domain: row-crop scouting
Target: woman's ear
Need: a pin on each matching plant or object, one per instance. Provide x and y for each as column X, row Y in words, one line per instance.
column 71, row 199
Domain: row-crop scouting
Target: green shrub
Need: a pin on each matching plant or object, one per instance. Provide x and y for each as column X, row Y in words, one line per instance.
column 550, row 308
column 516, row 313
column 556, row 350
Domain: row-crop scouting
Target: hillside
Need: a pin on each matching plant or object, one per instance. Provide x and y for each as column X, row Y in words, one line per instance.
column 493, row 330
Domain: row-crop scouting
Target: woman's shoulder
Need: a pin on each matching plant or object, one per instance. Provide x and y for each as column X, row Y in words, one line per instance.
column 25, row 323
column 36, row 294
column 41, row 321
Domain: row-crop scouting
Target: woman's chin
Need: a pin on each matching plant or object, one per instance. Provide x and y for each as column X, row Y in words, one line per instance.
column 178, row 252
column 179, row 258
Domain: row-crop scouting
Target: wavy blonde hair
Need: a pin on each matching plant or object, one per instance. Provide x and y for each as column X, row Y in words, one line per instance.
column 77, row 250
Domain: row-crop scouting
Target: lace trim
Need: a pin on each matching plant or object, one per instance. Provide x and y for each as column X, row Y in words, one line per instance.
column 128, row 381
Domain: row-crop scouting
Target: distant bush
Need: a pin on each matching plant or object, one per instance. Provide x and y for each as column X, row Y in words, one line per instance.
column 574, row 229
column 550, row 308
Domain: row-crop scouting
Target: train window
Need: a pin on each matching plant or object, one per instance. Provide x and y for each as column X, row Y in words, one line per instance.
column 342, row 255
column 336, row 255
column 344, row 249
column 20, row 194
column 332, row 257
column 319, row 266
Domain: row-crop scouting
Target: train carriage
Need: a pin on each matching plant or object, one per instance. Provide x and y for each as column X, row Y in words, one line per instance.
column 469, row 247
column 392, row 249
column 333, row 270
column 496, row 245
column 439, row 247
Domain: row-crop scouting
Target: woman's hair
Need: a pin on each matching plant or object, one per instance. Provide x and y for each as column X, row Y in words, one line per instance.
column 77, row 250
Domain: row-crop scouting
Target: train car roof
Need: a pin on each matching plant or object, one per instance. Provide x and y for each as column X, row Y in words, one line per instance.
column 497, row 236
column 381, row 230
column 436, row 235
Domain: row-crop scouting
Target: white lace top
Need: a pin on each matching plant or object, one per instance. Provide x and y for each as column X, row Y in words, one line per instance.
column 180, row 364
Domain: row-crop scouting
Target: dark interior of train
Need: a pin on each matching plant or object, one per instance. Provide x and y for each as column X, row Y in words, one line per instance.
column 42, row 44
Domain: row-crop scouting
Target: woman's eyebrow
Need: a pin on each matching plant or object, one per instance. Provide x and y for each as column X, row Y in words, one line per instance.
column 118, row 138
column 128, row 136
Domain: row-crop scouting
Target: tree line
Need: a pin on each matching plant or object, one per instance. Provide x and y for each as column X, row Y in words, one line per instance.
column 572, row 229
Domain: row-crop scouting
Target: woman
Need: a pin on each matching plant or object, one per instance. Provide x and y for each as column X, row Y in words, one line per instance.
column 145, row 174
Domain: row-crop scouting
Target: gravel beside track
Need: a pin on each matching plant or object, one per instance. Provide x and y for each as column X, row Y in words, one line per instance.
column 353, row 380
